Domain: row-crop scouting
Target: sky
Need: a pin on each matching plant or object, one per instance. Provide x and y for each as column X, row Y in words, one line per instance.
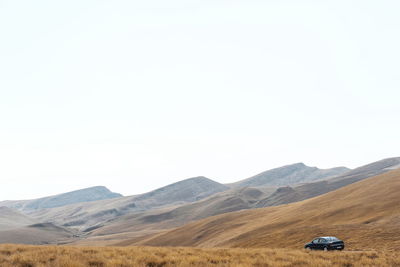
column 134, row 95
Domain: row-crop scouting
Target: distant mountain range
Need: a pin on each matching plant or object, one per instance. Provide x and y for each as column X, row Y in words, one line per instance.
column 237, row 199
column 78, row 196
column 96, row 216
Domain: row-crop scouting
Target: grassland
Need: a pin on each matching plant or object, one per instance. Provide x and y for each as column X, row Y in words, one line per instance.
column 61, row 256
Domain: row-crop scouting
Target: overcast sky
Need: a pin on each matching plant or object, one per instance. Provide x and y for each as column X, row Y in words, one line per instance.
column 134, row 95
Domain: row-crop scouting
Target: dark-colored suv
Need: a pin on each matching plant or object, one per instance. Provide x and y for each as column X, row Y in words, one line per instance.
column 325, row 243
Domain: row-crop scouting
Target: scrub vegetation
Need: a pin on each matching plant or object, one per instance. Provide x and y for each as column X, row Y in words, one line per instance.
column 64, row 256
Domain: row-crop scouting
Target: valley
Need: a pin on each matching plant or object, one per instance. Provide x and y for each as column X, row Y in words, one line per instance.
column 227, row 224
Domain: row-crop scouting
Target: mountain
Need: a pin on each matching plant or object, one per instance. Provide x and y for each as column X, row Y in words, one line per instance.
column 365, row 215
column 188, row 190
column 91, row 215
column 151, row 221
column 125, row 220
column 78, row 196
column 156, row 220
column 295, row 193
column 290, row 175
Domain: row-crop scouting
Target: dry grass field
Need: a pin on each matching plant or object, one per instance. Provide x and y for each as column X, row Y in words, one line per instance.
column 62, row 256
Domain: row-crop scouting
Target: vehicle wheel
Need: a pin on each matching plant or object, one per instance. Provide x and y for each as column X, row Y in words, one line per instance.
column 325, row 248
column 308, row 248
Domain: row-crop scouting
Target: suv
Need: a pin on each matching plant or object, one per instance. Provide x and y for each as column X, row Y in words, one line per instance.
column 325, row 243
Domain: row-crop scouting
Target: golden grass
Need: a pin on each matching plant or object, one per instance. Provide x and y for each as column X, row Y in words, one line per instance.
column 60, row 256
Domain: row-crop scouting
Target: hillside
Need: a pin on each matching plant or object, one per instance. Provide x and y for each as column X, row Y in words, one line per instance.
column 77, row 196
column 10, row 219
column 18, row 228
column 133, row 218
column 36, row 234
column 290, row 175
column 289, row 194
column 142, row 223
column 365, row 214
column 91, row 215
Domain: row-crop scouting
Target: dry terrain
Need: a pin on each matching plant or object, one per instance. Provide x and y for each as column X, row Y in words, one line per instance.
column 138, row 225
column 146, row 219
column 365, row 214
column 40, row 256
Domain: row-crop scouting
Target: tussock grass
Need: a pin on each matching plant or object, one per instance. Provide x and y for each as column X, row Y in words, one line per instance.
column 62, row 256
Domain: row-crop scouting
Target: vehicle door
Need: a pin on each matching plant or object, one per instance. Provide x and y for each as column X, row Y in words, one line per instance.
column 314, row 243
column 322, row 242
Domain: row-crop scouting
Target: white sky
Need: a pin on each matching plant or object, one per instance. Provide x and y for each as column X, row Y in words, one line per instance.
column 135, row 95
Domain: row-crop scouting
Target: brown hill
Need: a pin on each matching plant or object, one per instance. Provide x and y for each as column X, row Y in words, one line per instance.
column 148, row 222
column 365, row 214
column 285, row 195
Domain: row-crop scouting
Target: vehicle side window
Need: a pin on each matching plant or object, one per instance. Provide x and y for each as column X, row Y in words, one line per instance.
column 315, row 241
column 321, row 240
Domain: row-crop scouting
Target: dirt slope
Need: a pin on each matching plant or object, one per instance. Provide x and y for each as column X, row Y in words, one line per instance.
column 365, row 214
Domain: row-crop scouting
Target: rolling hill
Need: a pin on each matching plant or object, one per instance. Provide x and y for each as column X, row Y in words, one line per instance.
column 124, row 220
column 91, row 215
column 365, row 214
column 152, row 221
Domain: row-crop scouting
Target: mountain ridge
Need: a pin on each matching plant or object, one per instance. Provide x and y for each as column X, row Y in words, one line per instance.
column 81, row 195
column 288, row 175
